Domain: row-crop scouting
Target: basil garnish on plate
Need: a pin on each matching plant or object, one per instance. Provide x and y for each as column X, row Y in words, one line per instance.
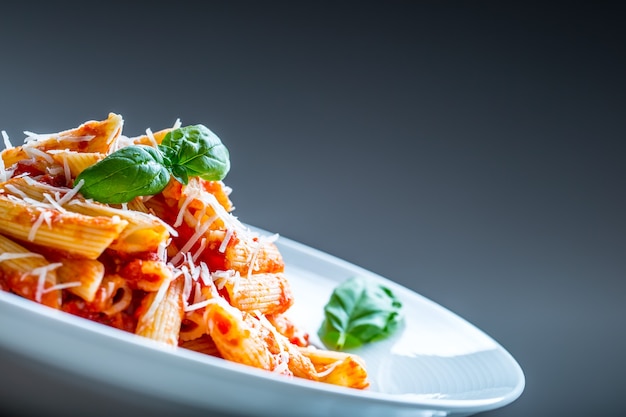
column 139, row 170
column 359, row 311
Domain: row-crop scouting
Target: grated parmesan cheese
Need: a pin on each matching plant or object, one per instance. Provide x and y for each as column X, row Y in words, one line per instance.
column 151, row 138
column 71, row 193
column 54, row 202
column 200, row 249
column 261, row 240
column 34, row 153
column 44, row 215
column 8, row 256
column 224, row 244
column 160, row 294
column 42, row 273
column 189, row 244
column 62, row 286
column 7, row 142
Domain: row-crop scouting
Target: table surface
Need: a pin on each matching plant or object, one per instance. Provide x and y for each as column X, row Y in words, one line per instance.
column 471, row 152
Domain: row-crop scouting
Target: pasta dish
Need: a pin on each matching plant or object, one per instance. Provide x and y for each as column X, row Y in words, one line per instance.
column 160, row 256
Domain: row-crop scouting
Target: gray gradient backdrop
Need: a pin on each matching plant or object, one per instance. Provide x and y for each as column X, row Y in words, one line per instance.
column 468, row 150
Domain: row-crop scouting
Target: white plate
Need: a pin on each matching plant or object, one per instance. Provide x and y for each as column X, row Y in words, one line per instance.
column 437, row 364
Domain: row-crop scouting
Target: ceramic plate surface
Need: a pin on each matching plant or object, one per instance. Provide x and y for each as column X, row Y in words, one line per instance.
column 437, row 364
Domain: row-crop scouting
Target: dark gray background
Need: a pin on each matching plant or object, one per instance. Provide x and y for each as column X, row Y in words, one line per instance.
column 472, row 151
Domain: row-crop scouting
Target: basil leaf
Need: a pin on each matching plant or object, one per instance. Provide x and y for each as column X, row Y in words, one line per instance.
column 125, row 174
column 359, row 311
column 195, row 151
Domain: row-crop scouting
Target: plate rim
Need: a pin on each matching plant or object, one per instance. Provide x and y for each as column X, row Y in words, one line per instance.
column 367, row 397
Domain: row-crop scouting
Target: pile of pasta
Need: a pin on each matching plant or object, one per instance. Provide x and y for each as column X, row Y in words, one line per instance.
column 176, row 267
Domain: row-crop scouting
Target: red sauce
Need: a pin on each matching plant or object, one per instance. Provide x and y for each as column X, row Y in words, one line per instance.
column 78, row 307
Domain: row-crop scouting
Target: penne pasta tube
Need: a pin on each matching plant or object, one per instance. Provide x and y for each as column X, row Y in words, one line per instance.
column 112, row 297
column 145, row 274
column 165, row 260
column 28, row 274
column 253, row 256
column 72, row 233
column 231, row 250
column 92, row 136
column 193, row 326
column 75, row 162
column 338, row 368
column 265, row 293
column 285, row 326
column 240, row 339
column 143, row 232
column 12, row 156
column 150, row 138
column 88, row 273
column 160, row 318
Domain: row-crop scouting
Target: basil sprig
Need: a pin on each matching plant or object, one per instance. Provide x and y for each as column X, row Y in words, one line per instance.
column 359, row 311
column 195, row 151
column 139, row 170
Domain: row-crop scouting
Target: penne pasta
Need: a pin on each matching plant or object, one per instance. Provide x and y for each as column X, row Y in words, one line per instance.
column 28, row 274
column 75, row 162
column 143, row 232
column 265, row 293
column 240, row 338
column 145, row 274
column 165, row 259
column 193, row 325
column 71, row 233
column 113, row 296
column 150, row 138
column 160, row 319
column 87, row 273
column 246, row 254
column 91, row 136
column 338, row 368
column 285, row 326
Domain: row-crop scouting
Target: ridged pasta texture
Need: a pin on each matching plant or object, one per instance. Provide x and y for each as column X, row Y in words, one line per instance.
column 175, row 266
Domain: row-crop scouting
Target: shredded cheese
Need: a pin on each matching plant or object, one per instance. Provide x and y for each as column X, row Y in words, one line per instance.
column 224, row 244
column 189, row 244
column 54, row 202
column 4, row 176
column 67, row 173
column 182, row 210
column 282, row 357
column 16, row 190
column 201, row 304
column 160, row 294
column 261, row 240
column 151, row 138
column 62, row 286
column 44, row 216
column 71, row 193
column 200, row 249
column 7, row 142
column 42, row 273
column 8, row 256
column 32, row 137
column 37, row 153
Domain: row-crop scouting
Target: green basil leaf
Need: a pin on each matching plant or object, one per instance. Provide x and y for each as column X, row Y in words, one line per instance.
column 125, row 174
column 359, row 311
column 195, row 151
